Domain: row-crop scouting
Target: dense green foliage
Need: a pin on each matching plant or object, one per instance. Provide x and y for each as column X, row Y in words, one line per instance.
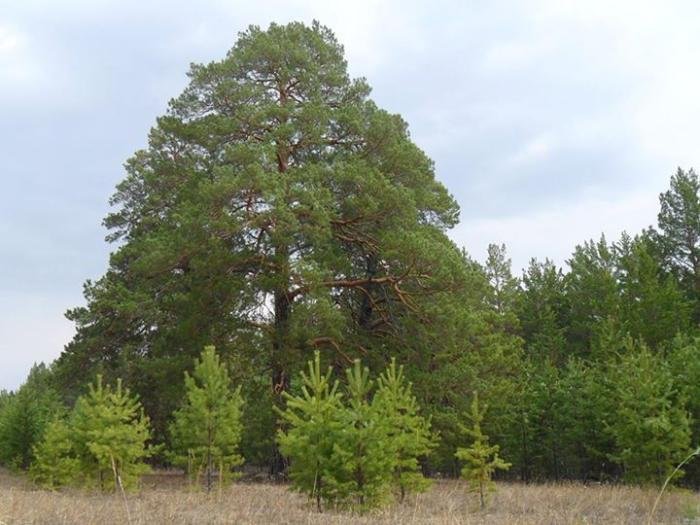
column 480, row 458
column 206, row 430
column 314, row 429
column 354, row 447
column 24, row 416
column 56, row 462
column 409, row 433
column 103, row 442
column 277, row 211
column 679, row 240
column 650, row 427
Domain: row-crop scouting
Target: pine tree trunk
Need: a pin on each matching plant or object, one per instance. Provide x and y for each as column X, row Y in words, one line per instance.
column 280, row 377
column 221, row 477
column 282, row 307
column 317, row 490
column 209, row 462
column 524, row 472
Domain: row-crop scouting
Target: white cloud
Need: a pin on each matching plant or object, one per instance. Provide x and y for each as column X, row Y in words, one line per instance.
column 34, row 73
column 518, row 54
column 33, row 330
column 648, row 48
column 555, row 231
column 535, row 150
column 9, row 40
column 17, row 67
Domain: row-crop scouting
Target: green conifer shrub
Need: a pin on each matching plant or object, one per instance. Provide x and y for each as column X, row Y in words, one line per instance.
column 352, row 449
column 55, row 459
column 650, row 426
column 206, row 430
column 103, row 442
column 111, row 432
column 481, row 459
column 368, row 454
column 408, row 431
column 314, row 422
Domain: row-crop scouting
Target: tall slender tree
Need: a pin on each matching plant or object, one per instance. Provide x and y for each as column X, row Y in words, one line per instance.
column 592, row 293
column 679, row 222
column 542, row 311
column 504, row 285
column 652, row 306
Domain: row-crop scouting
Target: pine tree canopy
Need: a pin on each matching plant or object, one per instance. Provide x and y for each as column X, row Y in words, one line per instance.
column 275, row 210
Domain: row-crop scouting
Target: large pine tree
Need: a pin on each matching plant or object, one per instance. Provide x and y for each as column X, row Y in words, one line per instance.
column 275, row 210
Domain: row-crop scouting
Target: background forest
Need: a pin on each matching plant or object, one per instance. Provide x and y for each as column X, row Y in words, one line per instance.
column 278, row 211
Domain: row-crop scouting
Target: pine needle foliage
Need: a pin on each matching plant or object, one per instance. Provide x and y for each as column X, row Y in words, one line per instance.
column 112, row 431
column 354, row 448
column 314, row 422
column 367, row 451
column 102, row 443
column 650, row 427
column 25, row 415
column 55, row 461
column 408, row 431
column 206, row 430
column 481, row 458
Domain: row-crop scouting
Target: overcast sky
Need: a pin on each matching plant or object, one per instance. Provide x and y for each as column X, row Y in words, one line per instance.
column 551, row 121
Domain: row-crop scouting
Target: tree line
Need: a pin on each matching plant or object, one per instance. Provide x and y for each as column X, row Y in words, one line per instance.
column 277, row 212
column 358, row 446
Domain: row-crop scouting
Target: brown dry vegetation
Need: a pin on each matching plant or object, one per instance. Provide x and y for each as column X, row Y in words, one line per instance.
column 164, row 500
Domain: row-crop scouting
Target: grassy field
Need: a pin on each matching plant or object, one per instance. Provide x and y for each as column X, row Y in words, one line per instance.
column 165, row 500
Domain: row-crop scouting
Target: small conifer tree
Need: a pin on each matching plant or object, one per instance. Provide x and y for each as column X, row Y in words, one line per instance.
column 206, row 430
column 354, row 452
column 111, row 432
column 314, row 427
column 368, row 454
column 408, row 431
column 651, row 426
column 55, row 463
column 481, row 459
column 103, row 442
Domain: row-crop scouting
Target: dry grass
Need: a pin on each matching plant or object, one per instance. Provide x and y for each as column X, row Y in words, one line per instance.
column 165, row 500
